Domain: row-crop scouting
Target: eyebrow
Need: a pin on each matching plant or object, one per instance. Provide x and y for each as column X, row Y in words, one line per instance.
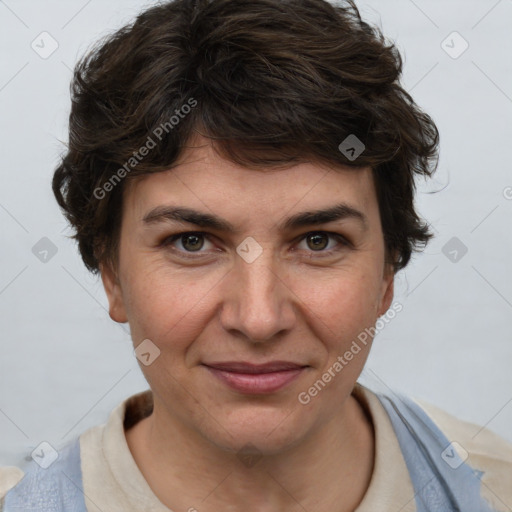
column 206, row 220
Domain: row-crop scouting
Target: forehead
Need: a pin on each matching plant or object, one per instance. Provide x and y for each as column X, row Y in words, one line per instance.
column 204, row 180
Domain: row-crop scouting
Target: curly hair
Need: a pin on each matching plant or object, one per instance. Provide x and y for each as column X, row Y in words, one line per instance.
column 270, row 82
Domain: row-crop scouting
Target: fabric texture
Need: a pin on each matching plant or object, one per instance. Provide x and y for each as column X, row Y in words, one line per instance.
column 417, row 468
column 57, row 488
column 446, row 484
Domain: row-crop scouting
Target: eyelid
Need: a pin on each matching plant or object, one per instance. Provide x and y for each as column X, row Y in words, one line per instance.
column 190, row 254
column 167, row 241
column 338, row 236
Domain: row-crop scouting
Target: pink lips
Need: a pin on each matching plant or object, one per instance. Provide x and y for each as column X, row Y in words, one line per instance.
column 256, row 379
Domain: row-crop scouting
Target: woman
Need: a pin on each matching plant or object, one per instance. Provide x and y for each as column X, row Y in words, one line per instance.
column 241, row 175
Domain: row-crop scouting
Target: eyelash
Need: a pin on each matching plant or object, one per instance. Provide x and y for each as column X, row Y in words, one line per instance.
column 187, row 254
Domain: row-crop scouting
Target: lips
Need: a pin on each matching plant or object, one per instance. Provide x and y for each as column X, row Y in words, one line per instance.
column 256, row 378
column 240, row 367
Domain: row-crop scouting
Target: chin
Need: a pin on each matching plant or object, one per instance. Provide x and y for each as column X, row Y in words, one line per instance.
column 267, row 432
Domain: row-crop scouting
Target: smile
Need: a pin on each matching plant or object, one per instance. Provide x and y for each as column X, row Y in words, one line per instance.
column 256, row 379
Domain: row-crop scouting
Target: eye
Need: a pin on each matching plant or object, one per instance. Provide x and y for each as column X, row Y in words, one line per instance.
column 190, row 242
column 318, row 241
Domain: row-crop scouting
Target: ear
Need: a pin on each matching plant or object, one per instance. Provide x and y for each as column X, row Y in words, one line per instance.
column 114, row 293
column 387, row 291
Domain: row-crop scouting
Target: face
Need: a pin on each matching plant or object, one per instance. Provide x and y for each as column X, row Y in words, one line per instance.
column 249, row 295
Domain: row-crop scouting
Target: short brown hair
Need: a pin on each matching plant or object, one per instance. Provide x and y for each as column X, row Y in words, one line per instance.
column 275, row 82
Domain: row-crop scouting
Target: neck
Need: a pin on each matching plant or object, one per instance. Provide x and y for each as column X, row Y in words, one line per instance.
column 330, row 470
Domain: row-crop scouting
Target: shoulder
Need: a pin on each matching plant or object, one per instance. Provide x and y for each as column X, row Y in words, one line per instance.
column 480, row 448
column 53, row 479
column 446, row 457
column 56, row 476
column 9, row 477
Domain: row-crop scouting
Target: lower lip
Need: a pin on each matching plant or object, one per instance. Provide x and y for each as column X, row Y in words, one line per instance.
column 256, row 383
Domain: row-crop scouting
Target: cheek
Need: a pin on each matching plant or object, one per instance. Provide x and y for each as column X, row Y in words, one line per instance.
column 166, row 306
column 340, row 307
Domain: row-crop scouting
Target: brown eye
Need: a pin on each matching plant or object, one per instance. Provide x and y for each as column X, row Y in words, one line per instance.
column 323, row 243
column 187, row 243
column 192, row 242
column 317, row 241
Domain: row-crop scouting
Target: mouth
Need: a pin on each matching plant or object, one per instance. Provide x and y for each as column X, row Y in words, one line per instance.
column 256, row 378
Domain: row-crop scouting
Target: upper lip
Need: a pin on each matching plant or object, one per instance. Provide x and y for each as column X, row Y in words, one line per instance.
column 244, row 367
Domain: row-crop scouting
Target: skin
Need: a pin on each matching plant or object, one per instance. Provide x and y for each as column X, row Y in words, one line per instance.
column 291, row 304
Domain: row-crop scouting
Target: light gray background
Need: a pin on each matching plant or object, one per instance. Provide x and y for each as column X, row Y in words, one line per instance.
column 65, row 365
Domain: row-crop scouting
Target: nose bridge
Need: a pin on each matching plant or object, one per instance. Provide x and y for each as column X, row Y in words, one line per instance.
column 258, row 305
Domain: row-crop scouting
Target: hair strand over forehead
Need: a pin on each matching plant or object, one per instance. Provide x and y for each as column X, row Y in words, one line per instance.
column 271, row 82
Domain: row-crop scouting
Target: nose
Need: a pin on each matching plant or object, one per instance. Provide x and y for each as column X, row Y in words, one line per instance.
column 257, row 300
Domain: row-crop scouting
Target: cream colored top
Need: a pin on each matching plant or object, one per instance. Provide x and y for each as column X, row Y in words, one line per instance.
column 112, row 481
